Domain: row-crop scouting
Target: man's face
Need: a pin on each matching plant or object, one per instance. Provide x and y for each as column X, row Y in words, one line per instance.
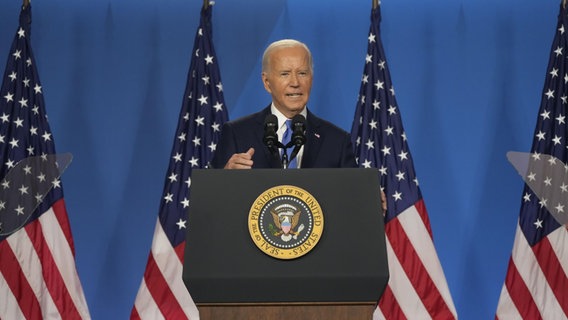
column 288, row 79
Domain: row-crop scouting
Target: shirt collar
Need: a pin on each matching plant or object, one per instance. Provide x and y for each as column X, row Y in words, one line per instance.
column 282, row 118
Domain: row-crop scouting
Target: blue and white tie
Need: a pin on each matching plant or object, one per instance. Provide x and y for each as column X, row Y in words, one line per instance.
column 285, row 140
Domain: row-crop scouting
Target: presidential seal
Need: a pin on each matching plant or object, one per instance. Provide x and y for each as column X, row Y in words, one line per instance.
column 285, row 222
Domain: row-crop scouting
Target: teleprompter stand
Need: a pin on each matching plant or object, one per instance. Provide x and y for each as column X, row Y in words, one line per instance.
column 229, row 277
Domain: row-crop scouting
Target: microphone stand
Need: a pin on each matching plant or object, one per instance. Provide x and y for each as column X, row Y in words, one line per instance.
column 295, row 152
column 284, row 158
column 274, row 146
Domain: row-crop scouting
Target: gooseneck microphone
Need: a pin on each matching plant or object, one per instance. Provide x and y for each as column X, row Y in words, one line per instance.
column 298, row 134
column 270, row 138
column 298, row 130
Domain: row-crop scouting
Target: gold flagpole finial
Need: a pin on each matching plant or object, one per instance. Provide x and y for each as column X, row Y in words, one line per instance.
column 377, row 2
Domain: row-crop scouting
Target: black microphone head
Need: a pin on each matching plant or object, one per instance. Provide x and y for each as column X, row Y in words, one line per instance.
column 299, row 130
column 270, row 138
column 298, row 119
column 271, row 121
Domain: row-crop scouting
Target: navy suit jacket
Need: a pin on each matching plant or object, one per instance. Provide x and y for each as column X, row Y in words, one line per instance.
column 327, row 146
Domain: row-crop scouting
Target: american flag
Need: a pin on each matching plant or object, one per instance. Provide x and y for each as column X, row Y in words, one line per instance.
column 162, row 294
column 38, row 276
column 417, row 287
column 536, row 286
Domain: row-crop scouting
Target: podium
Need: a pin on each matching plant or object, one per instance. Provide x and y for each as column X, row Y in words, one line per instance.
column 230, row 277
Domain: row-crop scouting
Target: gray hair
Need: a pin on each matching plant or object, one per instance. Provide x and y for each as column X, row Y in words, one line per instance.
column 285, row 43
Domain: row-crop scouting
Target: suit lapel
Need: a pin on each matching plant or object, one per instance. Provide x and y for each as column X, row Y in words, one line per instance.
column 313, row 141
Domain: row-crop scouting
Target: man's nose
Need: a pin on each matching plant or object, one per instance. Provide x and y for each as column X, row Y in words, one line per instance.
column 294, row 80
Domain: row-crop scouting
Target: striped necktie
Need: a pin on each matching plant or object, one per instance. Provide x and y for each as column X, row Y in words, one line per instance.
column 285, row 140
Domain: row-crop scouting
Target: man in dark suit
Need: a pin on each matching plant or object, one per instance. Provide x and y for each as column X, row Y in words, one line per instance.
column 287, row 73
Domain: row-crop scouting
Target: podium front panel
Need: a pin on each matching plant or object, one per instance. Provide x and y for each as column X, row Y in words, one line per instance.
column 223, row 265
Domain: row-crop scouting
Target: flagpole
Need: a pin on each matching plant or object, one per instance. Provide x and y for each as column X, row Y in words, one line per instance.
column 205, row 3
column 26, row 3
column 376, row 3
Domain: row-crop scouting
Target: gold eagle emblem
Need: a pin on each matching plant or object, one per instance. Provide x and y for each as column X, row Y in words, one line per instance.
column 286, row 223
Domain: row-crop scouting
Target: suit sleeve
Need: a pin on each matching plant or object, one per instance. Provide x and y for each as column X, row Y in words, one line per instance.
column 347, row 159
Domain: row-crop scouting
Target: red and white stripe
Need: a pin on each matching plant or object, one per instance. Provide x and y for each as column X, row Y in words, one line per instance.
column 536, row 286
column 162, row 294
column 38, row 277
column 416, row 275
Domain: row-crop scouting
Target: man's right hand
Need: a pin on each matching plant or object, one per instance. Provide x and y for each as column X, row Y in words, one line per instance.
column 241, row 160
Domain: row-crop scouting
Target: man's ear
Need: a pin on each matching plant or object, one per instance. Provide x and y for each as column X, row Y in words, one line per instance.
column 266, row 83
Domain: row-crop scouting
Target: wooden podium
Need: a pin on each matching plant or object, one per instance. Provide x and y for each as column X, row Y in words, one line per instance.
column 229, row 277
column 297, row 311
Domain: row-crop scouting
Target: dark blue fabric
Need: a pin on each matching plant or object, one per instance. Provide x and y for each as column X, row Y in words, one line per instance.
column 327, row 146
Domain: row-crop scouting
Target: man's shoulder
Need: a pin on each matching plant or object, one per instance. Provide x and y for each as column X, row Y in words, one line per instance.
column 247, row 120
column 322, row 124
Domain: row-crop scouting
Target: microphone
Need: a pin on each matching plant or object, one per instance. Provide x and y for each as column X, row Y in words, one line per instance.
column 298, row 130
column 270, row 138
column 298, row 134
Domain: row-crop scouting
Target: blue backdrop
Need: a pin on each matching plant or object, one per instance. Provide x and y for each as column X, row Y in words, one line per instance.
column 468, row 76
